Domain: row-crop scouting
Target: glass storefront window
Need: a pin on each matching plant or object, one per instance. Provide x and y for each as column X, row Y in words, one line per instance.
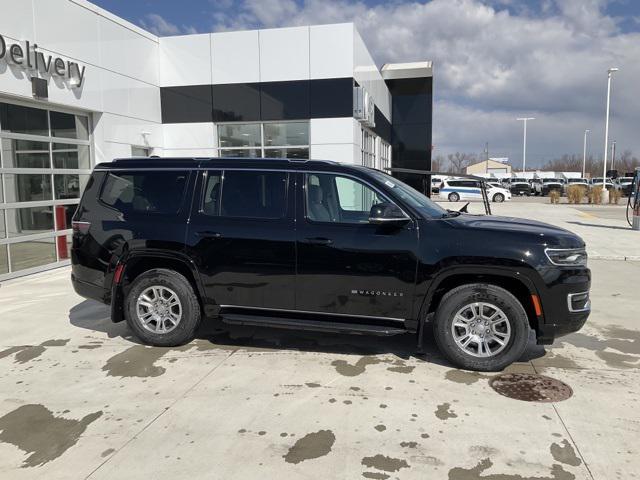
column 24, row 154
column 21, row 187
column 4, row 260
column 239, row 135
column 49, row 155
column 284, row 134
column 69, row 186
column 67, row 155
column 239, row 153
column 66, row 125
column 19, row 119
column 32, row 253
column 301, row 153
column 27, row 221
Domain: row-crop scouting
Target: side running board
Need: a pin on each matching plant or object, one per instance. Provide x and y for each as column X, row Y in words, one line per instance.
column 316, row 325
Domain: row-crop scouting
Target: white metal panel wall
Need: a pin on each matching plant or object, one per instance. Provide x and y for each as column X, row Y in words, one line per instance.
column 236, row 57
column 284, row 54
column 185, row 60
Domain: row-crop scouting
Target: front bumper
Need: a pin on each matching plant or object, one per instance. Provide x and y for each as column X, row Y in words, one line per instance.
column 565, row 306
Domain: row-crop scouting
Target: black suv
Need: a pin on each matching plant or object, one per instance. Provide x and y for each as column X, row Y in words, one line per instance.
column 323, row 246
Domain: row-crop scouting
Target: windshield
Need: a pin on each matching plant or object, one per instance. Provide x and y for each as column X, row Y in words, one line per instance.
column 577, row 180
column 519, row 180
column 550, row 180
column 410, row 195
column 625, row 180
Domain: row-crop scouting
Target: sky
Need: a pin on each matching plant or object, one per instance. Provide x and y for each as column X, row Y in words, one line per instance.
column 494, row 61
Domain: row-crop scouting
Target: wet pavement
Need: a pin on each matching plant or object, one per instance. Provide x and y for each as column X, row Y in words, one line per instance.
column 80, row 398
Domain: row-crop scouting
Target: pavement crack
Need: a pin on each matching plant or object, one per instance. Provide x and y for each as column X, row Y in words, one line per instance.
column 154, row 419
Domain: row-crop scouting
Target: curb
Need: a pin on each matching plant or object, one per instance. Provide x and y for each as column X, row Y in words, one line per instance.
column 621, row 258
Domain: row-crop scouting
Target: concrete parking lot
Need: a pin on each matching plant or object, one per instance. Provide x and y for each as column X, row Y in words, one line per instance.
column 80, row 398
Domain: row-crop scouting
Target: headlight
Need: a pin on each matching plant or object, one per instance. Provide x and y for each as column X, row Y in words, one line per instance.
column 567, row 256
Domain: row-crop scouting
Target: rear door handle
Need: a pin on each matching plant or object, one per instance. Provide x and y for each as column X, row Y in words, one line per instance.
column 209, row 234
column 318, row 241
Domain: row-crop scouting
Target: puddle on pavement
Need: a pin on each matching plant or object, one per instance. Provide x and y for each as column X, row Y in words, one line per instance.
column 476, row 473
column 624, row 340
column 565, row 453
column 464, row 377
column 35, row 430
column 313, row 445
column 530, row 387
column 384, row 463
column 444, row 412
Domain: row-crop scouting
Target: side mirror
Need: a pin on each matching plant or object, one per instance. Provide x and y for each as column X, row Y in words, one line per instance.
column 387, row 214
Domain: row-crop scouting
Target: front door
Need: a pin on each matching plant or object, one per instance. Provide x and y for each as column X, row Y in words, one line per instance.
column 346, row 265
column 242, row 238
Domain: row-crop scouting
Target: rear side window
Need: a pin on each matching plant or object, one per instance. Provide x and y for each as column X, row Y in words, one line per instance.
column 144, row 191
column 246, row 194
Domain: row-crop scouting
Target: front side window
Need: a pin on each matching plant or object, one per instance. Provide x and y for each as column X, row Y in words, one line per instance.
column 337, row 199
column 251, row 194
column 144, row 192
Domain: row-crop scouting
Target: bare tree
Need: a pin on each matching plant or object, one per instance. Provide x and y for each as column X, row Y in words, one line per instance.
column 627, row 162
column 437, row 163
column 459, row 161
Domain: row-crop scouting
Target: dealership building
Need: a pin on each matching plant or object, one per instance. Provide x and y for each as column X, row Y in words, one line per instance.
column 79, row 86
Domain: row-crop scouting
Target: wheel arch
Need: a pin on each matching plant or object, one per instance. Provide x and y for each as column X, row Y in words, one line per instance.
column 136, row 264
column 515, row 282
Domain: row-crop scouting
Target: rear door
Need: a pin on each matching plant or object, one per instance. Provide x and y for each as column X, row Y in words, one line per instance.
column 242, row 237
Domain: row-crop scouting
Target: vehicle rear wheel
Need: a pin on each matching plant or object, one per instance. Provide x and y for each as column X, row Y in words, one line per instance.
column 481, row 327
column 454, row 197
column 162, row 309
column 498, row 198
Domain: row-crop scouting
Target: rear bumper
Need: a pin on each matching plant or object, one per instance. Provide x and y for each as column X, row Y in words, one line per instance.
column 89, row 290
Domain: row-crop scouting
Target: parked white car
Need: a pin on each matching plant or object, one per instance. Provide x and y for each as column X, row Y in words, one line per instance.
column 455, row 190
column 582, row 182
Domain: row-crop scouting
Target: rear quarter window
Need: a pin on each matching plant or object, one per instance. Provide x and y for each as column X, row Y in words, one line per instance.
column 145, row 191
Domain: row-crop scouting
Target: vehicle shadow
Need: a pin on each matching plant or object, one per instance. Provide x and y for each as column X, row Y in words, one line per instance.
column 213, row 334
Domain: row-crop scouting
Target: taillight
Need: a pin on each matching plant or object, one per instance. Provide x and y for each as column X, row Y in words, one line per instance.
column 117, row 275
column 81, row 227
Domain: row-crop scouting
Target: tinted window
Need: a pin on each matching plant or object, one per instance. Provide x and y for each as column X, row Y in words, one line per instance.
column 284, row 100
column 211, row 196
column 144, row 192
column 336, row 199
column 254, row 194
column 69, row 126
column 192, row 103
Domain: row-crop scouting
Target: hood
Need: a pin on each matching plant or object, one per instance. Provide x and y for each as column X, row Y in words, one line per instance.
column 540, row 232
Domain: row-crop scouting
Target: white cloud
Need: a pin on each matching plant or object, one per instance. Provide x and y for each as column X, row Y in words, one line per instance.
column 492, row 65
column 157, row 25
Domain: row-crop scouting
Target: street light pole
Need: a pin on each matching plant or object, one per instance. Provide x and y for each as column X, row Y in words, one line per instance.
column 605, row 192
column 524, row 143
column 584, row 154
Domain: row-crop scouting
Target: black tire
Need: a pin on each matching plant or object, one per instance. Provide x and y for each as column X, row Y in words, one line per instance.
column 454, row 197
column 464, row 295
column 185, row 329
column 498, row 198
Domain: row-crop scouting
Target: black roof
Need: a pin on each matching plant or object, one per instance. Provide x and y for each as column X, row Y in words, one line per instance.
column 219, row 162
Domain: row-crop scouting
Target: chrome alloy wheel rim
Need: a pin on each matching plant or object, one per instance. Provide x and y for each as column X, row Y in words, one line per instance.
column 481, row 329
column 159, row 309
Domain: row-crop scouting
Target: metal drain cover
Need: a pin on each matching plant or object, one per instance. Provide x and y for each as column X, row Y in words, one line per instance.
column 531, row 387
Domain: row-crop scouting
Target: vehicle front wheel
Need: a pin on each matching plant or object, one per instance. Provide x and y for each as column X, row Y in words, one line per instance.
column 454, row 197
column 162, row 309
column 498, row 198
column 481, row 327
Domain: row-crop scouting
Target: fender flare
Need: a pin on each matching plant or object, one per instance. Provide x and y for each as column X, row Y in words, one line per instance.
column 514, row 273
column 117, row 293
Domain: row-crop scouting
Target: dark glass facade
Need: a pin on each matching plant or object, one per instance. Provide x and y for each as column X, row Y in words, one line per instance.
column 266, row 101
column 412, row 112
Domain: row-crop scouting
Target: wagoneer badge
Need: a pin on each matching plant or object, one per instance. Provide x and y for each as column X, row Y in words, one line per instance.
column 376, row 293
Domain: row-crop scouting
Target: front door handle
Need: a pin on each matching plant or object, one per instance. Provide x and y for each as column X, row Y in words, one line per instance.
column 209, row 234
column 318, row 241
